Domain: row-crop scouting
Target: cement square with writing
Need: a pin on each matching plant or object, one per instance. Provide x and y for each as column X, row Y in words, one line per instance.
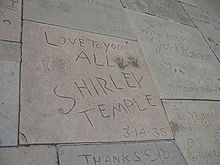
column 169, row 9
column 181, row 62
column 208, row 22
column 29, row 155
column 9, row 92
column 152, row 153
column 84, row 87
column 99, row 16
column 10, row 20
column 196, row 128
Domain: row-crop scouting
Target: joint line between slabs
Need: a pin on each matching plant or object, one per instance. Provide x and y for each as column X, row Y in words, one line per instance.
column 19, row 109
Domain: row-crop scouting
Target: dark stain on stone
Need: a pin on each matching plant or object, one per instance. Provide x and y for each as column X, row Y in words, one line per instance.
column 174, row 127
column 64, row 6
column 210, row 39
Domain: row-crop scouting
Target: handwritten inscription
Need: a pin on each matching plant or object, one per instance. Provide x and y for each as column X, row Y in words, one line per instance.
column 83, row 43
column 98, row 84
column 180, row 49
column 172, row 50
column 86, row 56
column 107, row 85
column 150, row 153
column 173, row 42
column 106, row 111
column 197, row 151
column 177, row 44
column 127, row 106
column 197, row 130
column 143, row 132
column 198, row 122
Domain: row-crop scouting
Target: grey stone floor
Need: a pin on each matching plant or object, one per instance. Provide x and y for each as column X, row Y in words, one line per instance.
column 109, row 82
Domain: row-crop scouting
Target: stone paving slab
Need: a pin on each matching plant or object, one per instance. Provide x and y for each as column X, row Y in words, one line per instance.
column 208, row 23
column 196, row 127
column 10, row 20
column 84, row 87
column 182, row 64
column 153, row 153
column 31, row 155
column 9, row 93
column 168, row 9
column 105, row 17
column 9, row 51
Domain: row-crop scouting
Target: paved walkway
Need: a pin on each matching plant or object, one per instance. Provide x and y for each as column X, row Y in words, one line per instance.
column 109, row 82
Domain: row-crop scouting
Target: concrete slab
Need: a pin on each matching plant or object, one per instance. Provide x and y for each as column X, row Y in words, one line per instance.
column 105, row 17
column 181, row 62
column 10, row 20
column 208, row 22
column 9, row 93
column 31, row 155
column 154, row 153
column 9, row 102
column 9, row 51
column 84, row 87
column 196, row 127
column 169, row 9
